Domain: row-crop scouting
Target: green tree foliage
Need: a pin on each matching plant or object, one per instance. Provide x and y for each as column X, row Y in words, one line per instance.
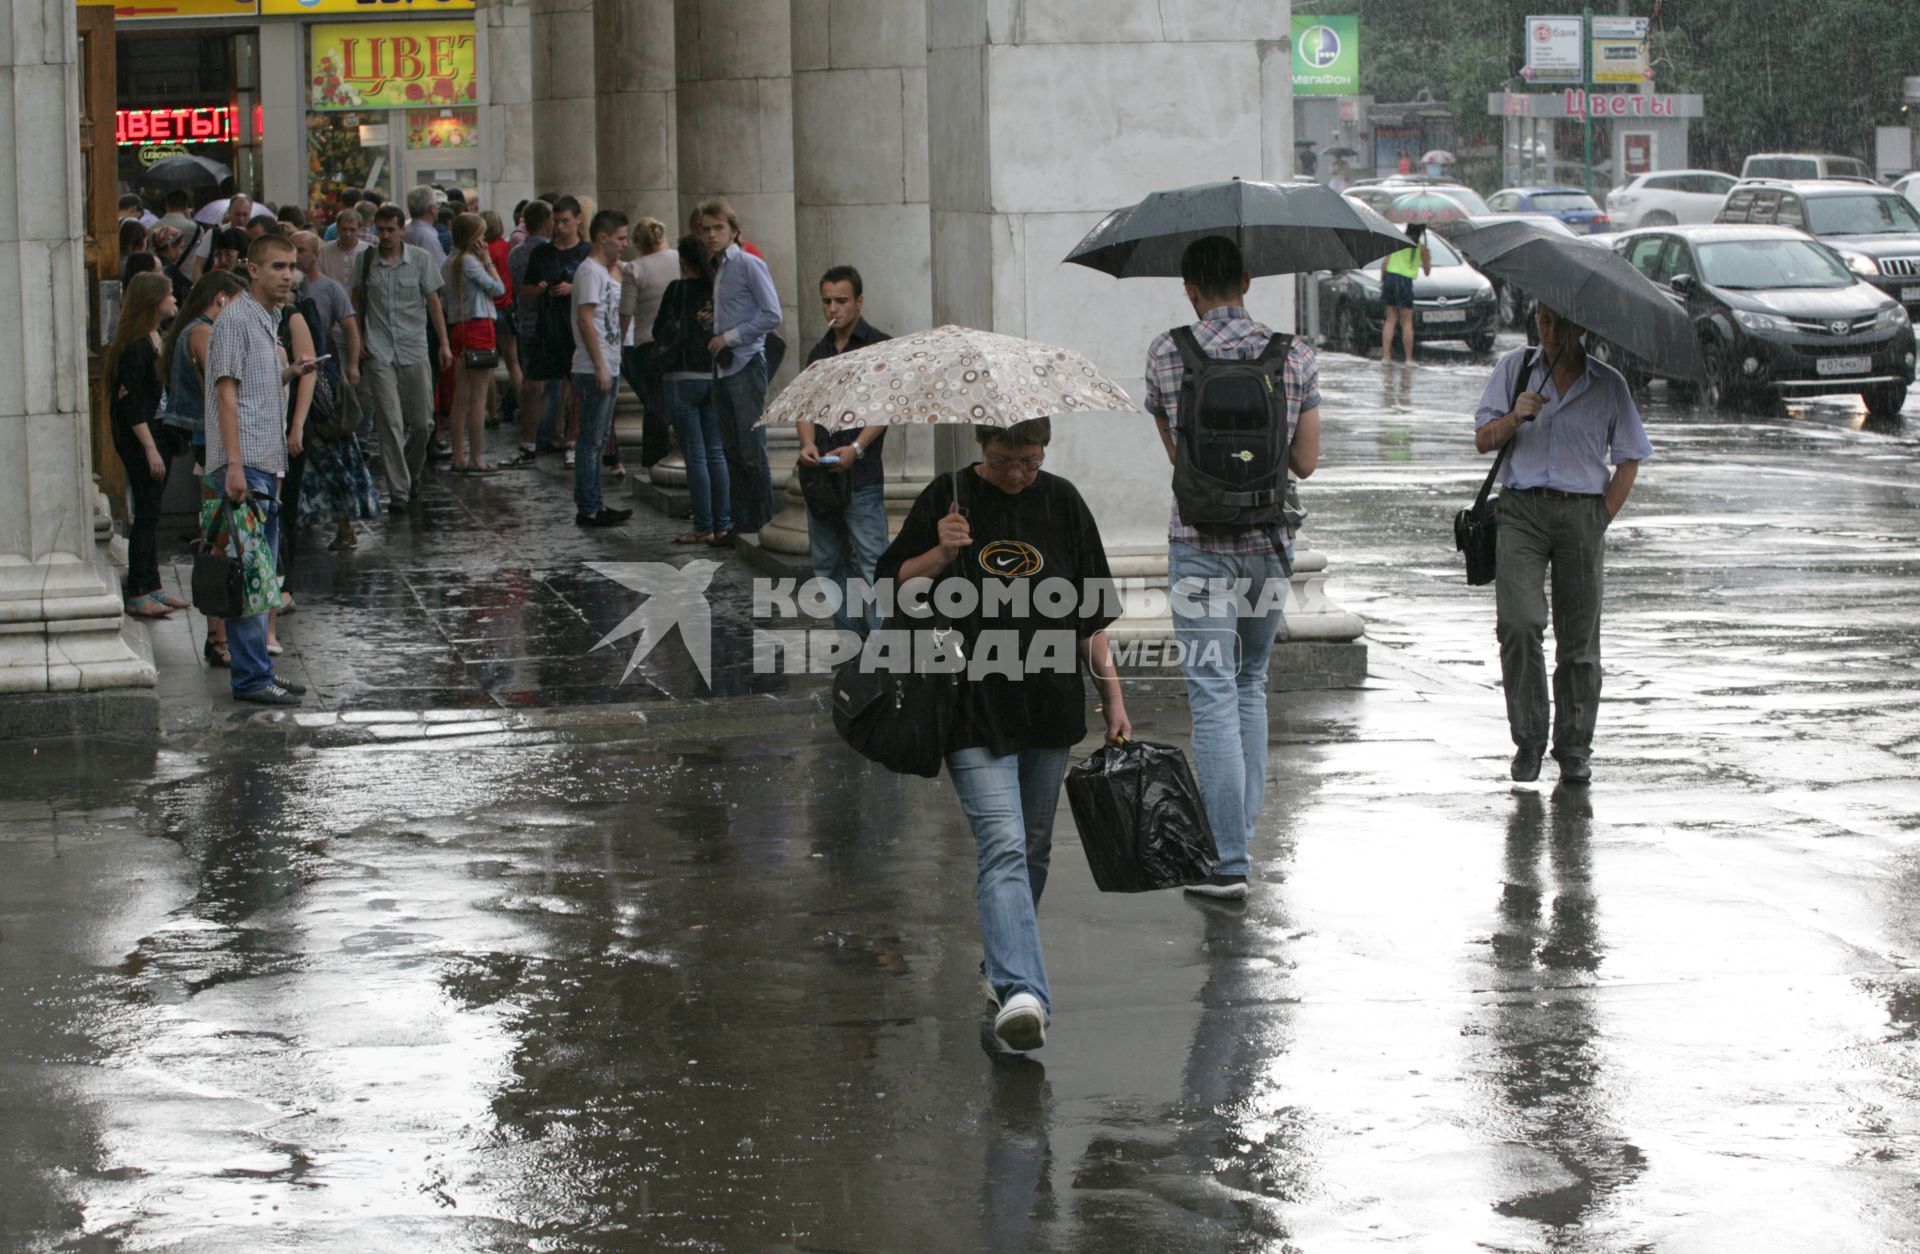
column 1778, row 75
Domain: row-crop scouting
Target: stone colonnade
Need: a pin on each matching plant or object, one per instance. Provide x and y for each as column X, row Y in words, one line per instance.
column 62, row 628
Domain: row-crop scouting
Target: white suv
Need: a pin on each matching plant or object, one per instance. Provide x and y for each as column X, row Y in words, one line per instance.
column 1668, row 198
column 1805, row 165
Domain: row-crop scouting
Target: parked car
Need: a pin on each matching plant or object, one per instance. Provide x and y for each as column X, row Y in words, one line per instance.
column 1569, row 204
column 1512, row 306
column 1875, row 230
column 1668, row 198
column 1779, row 315
column 1804, row 165
column 1909, row 187
column 1453, row 302
column 1401, row 184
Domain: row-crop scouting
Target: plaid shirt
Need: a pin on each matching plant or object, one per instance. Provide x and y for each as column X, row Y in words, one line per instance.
column 246, row 347
column 1231, row 334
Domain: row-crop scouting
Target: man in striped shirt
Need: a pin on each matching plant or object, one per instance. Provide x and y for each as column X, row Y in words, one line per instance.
column 1229, row 585
column 247, row 444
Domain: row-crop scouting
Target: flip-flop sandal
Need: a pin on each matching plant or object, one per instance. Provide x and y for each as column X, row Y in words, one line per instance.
column 217, row 653
column 693, row 537
column 148, row 607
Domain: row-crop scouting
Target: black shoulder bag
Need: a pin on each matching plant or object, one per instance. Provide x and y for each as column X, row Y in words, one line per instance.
column 1476, row 529
column 902, row 719
column 219, row 569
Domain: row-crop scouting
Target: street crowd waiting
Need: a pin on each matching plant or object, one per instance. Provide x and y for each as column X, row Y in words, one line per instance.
column 244, row 342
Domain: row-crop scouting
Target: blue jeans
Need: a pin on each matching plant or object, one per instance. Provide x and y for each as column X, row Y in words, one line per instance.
column 740, row 398
column 596, row 419
column 849, row 547
column 690, row 405
column 1226, row 668
column 247, row 637
column 1010, row 803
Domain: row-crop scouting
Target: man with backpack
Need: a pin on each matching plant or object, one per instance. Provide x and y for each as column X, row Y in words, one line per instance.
column 1238, row 407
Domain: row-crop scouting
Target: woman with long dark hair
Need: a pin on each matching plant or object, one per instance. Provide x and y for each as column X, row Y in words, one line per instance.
column 145, row 447
column 680, row 333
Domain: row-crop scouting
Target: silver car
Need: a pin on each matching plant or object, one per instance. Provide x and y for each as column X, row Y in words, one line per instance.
column 1669, row 198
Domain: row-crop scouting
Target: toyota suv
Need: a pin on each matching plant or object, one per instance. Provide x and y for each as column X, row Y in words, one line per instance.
column 1875, row 230
column 1778, row 315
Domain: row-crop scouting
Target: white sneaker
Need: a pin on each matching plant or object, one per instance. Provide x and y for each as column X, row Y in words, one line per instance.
column 1021, row 1023
column 569, row 458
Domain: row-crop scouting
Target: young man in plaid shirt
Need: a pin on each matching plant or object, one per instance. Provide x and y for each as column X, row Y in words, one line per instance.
column 1228, row 584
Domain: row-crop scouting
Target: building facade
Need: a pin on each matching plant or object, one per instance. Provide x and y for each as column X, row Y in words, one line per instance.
column 952, row 150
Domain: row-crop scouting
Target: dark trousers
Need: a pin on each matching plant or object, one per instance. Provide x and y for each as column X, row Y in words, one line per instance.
column 655, row 442
column 290, row 509
column 739, row 399
column 1558, row 543
column 143, row 528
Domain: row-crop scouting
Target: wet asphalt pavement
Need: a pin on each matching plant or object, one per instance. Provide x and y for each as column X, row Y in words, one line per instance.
column 548, row 963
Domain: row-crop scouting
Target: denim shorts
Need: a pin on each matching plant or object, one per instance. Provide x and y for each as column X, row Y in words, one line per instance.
column 1396, row 291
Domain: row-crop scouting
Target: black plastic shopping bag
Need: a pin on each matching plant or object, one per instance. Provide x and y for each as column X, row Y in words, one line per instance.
column 1140, row 818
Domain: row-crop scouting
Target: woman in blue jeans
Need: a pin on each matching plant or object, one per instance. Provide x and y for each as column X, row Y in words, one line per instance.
column 681, row 330
column 1014, row 524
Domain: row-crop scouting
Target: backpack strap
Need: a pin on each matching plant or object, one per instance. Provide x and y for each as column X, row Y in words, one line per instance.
column 1191, row 355
column 1277, row 348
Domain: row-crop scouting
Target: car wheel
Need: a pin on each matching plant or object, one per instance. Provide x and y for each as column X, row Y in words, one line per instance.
column 1513, row 310
column 1611, row 354
column 1721, row 392
column 1659, row 217
column 1885, row 400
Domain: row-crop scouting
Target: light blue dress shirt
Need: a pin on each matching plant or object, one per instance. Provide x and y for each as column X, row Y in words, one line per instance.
column 1576, row 437
column 745, row 306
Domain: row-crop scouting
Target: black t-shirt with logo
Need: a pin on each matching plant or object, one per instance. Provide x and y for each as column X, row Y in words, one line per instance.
column 1044, row 532
column 552, row 350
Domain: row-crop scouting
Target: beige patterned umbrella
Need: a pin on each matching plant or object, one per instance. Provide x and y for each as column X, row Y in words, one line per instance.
column 948, row 374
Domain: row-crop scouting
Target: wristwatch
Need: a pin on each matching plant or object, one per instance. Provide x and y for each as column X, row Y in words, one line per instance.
column 859, row 451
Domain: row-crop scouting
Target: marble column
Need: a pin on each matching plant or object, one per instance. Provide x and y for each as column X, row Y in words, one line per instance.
column 734, row 120
column 1135, row 95
column 62, row 629
column 633, row 74
column 860, row 193
column 563, row 108
column 505, row 28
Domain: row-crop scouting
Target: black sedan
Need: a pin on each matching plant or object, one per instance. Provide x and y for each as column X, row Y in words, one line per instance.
column 1779, row 315
column 1454, row 302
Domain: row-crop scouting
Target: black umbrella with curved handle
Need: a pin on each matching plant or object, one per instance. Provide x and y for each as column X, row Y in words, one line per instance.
column 187, row 171
column 1281, row 228
column 1594, row 288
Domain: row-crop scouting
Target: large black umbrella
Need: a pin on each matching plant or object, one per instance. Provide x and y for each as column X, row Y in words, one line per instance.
column 1281, row 228
column 184, row 172
column 1593, row 287
column 1339, row 150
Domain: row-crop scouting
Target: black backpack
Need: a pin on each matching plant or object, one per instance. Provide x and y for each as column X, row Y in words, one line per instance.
column 1230, row 465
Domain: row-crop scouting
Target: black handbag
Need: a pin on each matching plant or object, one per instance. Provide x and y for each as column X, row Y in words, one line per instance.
column 219, row 580
column 827, row 492
column 479, row 358
column 903, row 719
column 1476, row 529
column 1140, row 818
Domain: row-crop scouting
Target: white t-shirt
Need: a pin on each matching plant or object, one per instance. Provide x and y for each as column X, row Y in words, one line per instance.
column 594, row 285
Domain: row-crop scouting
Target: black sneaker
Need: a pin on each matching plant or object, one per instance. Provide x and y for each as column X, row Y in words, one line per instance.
column 298, row 690
column 524, row 459
column 272, row 694
column 1222, row 887
column 605, row 518
column 1526, row 765
column 1575, row 771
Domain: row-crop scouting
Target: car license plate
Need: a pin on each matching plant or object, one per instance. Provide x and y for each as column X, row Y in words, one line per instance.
column 1444, row 315
column 1843, row 365
column 1909, row 295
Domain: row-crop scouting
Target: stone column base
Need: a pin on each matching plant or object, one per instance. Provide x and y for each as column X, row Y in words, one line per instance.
column 70, row 660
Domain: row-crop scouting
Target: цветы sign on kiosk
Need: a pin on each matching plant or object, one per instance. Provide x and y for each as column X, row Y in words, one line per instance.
column 391, row 65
